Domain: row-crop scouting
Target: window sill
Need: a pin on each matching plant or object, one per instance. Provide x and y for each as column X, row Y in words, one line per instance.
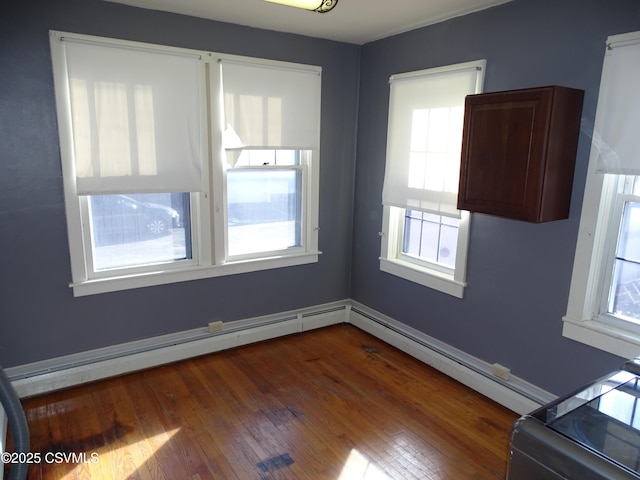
column 604, row 337
column 126, row 282
column 428, row 278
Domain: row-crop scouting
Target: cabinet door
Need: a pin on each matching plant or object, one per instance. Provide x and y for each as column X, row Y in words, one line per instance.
column 519, row 151
column 503, row 153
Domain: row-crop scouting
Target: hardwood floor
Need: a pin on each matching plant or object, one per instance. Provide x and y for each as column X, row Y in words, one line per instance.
column 334, row 403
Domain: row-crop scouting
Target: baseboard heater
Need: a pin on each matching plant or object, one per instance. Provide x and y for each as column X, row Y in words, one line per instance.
column 514, row 393
column 41, row 377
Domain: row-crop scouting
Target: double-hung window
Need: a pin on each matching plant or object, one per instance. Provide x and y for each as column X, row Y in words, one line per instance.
column 424, row 235
column 604, row 300
column 181, row 164
column 271, row 131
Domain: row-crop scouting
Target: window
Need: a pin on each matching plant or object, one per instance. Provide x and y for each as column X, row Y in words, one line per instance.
column 271, row 130
column 264, row 204
column 604, row 300
column 181, row 164
column 623, row 301
column 141, row 229
column 424, row 235
column 430, row 237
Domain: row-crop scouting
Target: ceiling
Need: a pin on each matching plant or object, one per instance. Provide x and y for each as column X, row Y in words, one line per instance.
column 351, row 21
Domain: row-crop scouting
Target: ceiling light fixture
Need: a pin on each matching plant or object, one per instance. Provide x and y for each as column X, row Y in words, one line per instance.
column 320, row 6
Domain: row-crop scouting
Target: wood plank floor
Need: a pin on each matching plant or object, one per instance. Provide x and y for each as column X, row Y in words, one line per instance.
column 334, row 403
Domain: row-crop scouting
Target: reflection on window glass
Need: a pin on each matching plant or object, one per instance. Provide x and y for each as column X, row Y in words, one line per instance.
column 431, row 237
column 139, row 229
column 622, row 404
column 263, row 210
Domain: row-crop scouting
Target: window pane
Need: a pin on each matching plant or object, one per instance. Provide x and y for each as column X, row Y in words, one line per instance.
column 626, row 291
column 448, row 244
column 629, row 241
column 139, row 229
column 264, row 210
column 430, row 237
column 412, row 232
column 625, row 288
column 429, row 242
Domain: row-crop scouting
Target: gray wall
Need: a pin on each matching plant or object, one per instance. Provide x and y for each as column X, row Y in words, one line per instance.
column 39, row 318
column 518, row 273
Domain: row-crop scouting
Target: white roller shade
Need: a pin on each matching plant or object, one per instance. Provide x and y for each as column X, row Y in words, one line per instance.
column 617, row 131
column 424, row 138
column 135, row 117
column 272, row 107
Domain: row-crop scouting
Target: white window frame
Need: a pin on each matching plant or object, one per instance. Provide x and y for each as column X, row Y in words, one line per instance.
column 586, row 320
column 208, row 207
column 393, row 261
column 451, row 281
column 309, row 197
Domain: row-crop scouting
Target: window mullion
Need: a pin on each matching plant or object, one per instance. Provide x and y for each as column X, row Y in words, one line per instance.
column 214, row 215
column 439, row 240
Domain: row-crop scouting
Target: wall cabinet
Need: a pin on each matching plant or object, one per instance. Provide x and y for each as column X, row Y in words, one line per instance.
column 518, row 152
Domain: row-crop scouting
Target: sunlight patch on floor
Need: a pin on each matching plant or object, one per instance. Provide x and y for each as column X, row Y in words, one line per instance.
column 358, row 467
column 126, row 459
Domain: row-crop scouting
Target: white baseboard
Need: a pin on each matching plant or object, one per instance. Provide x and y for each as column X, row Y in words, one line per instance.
column 68, row 371
column 515, row 393
column 50, row 375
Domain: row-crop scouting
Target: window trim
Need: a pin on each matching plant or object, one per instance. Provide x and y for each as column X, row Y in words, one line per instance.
column 391, row 260
column 615, row 221
column 590, row 281
column 207, row 207
column 125, row 282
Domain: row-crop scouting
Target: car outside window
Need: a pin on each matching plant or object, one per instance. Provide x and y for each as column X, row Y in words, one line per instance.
column 141, row 229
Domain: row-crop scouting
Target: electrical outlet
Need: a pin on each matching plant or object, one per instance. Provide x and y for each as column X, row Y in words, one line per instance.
column 215, row 326
column 500, row 371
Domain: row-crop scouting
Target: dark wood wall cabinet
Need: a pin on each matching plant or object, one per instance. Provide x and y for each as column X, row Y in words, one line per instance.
column 519, row 151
